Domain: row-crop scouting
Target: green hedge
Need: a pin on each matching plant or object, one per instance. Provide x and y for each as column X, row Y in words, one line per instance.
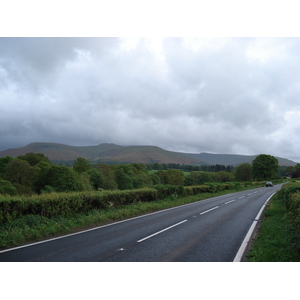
column 68, row 204
column 290, row 194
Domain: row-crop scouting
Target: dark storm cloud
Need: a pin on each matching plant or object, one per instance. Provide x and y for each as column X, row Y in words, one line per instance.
column 225, row 95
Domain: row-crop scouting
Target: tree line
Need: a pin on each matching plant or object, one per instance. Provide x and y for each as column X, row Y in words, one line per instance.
column 35, row 173
column 207, row 168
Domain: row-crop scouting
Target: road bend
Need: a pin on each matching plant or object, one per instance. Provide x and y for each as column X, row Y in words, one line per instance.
column 210, row 230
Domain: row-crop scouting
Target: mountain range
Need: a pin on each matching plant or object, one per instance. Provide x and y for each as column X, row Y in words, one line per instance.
column 111, row 153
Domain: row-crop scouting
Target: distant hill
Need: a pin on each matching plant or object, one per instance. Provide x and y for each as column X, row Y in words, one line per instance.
column 107, row 153
column 234, row 159
column 111, row 153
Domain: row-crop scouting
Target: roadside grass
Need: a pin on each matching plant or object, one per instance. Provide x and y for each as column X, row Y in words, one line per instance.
column 274, row 242
column 32, row 228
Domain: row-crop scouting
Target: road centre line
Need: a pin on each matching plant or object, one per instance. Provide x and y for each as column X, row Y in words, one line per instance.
column 156, row 233
column 241, row 197
column 204, row 212
column 229, row 201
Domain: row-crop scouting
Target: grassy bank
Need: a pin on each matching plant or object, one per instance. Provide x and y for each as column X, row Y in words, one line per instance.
column 275, row 240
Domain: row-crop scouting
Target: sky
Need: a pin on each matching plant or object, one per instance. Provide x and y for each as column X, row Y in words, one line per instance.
column 227, row 95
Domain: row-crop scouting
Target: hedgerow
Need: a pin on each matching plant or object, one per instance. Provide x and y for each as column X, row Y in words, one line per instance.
column 65, row 204
column 290, row 193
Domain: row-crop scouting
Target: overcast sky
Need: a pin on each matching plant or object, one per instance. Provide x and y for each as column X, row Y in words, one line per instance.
column 219, row 95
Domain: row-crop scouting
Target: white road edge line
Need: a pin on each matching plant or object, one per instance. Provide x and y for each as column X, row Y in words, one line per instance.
column 246, row 240
column 156, row 233
column 204, row 212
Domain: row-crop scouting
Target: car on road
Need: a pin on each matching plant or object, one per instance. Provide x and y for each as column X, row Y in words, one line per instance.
column 269, row 183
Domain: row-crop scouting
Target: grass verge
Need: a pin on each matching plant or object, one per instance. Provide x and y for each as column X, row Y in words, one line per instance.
column 274, row 242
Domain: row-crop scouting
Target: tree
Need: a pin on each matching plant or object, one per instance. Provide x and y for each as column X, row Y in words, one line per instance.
column 109, row 176
column 265, row 167
column 63, row 179
column 296, row 172
column 81, row 165
column 42, row 176
column 124, row 181
column 174, row 177
column 3, row 162
column 34, row 158
column 223, row 176
column 243, row 172
column 96, row 178
column 20, row 171
column 21, row 174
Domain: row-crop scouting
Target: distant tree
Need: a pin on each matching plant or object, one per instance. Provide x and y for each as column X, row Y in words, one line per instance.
column 174, row 177
column 19, row 171
column 265, row 167
column 63, row 179
column 21, row 175
column 192, row 178
column 109, row 176
column 124, row 181
column 3, row 162
column 157, row 166
column 42, row 175
column 243, row 172
column 223, row 176
column 96, row 178
column 290, row 170
column 34, row 158
column 81, row 165
column 296, row 173
column 155, row 179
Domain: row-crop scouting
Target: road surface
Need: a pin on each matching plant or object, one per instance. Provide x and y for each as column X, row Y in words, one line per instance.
column 210, row 230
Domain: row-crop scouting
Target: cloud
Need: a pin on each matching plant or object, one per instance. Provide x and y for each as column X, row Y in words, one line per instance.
column 223, row 95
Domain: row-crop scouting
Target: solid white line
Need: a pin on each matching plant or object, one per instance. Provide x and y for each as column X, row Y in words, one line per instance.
column 156, row 233
column 246, row 240
column 229, row 201
column 208, row 210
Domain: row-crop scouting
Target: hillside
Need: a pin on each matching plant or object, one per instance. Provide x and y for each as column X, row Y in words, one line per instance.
column 234, row 159
column 108, row 153
column 111, row 153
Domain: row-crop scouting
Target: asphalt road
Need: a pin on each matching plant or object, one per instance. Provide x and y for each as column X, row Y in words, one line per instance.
column 210, row 230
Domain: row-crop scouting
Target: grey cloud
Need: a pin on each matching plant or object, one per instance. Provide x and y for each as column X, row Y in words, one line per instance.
column 219, row 95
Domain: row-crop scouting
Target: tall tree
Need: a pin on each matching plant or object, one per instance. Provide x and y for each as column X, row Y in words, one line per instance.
column 243, row 172
column 81, row 165
column 265, row 167
column 63, row 179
